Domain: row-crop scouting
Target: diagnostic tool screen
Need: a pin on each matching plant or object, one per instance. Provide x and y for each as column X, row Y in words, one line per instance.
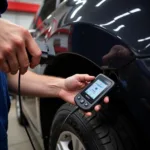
column 96, row 88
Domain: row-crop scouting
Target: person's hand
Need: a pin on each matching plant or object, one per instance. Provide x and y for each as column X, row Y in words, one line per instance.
column 73, row 85
column 14, row 41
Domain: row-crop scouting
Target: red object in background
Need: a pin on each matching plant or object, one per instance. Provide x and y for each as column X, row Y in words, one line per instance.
column 60, row 49
column 22, row 7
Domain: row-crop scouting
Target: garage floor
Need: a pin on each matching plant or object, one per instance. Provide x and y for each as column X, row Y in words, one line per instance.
column 17, row 137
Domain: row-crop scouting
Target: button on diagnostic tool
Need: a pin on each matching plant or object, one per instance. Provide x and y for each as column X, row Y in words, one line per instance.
column 86, row 104
column 82, row 101
column 79, row 97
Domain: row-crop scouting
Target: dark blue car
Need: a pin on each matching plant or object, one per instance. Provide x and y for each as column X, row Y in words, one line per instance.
column 94, row 36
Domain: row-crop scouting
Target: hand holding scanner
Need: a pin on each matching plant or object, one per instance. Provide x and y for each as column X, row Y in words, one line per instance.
column 94, row 92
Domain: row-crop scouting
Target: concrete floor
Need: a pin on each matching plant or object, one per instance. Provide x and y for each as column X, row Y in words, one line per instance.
column 17, row 137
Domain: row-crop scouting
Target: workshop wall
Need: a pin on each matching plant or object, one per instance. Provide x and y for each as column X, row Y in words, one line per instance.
column 21, row 12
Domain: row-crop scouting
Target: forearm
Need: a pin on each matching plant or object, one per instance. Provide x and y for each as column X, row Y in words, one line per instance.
column 36, row 85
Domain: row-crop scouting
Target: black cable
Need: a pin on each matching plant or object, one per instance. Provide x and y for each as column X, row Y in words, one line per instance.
column 19, row 94
column 72, row 112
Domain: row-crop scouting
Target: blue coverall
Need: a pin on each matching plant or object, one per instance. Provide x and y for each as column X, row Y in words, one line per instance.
column 4, row 98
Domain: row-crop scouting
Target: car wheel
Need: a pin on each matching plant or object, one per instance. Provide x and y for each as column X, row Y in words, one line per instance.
column 20, row 116
column 80, row 132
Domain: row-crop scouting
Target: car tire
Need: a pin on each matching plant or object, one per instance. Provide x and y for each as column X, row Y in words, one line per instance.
column 91, row 133
column 20, row 116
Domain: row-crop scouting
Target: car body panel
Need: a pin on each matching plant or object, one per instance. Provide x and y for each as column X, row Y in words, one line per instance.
column 119, row 18
column 128, row 20
column 135, row 79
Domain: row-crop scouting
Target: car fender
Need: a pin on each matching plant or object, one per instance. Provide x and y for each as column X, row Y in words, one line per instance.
column 127, row 20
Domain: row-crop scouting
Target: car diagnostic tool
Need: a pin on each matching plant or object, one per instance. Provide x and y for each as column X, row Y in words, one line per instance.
column 93, row 93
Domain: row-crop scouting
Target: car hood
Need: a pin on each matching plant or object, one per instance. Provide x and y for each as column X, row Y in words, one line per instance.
column 127, row 20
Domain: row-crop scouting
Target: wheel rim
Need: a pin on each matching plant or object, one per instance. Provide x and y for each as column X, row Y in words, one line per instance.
column 18, row 109
column 69, row 141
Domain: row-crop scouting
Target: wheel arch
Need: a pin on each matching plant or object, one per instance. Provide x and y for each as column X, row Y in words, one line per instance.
column 49, row 106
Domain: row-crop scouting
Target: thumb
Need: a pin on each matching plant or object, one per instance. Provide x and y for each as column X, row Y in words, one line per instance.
column 84, row 78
